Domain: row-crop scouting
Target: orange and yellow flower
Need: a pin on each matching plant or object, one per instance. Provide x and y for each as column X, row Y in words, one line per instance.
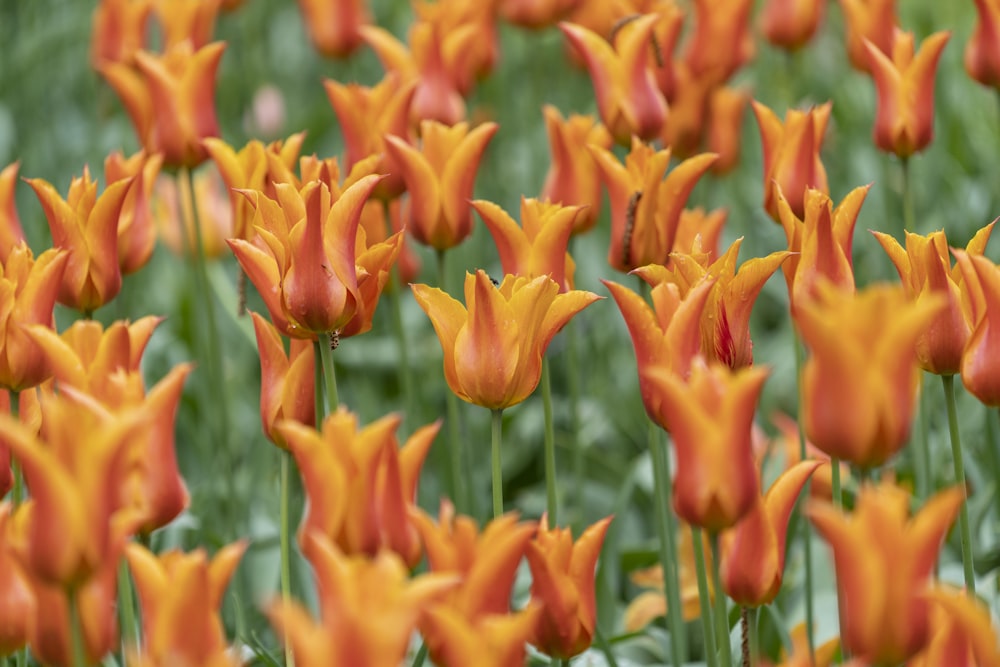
column 496, row 640
column 790, row 24
column 535, row 14
column 287, row 383
column 191, row 21
column 136, row 231
column 980, row 372
column 962, row 632
column 872, row 20
column 334, row 25
column 982, row 53
column 11, row 233
column 17, row 600
column 721, row 41
column 119, row 31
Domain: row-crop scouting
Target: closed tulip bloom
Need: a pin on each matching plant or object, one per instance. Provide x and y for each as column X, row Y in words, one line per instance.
column 792, row 163
column 884, row 614
column 860, row 383
column 118, row 31
column 872, row 20
column 440, row 176
column 791, row 24
column 753, row 551
column 573, row 178
column 333, row 25
column 726, row 107
column 534, row 14
column 562, row 583
column 467, row 60
column 186, row 21
column 925, row 269
column 628, row 98
column 86, row 226
column 178, row 593
column 721, row 41
column 11, row 233
column 136, row 230
column 487, row 641
column 980, row 372
column 28, row 289
column 904, row 82
column 982, row 53
column 710, row 415
column 493, row 347
column 17, row 600
column 962, row 632
column 287, row 385
column 171, row 100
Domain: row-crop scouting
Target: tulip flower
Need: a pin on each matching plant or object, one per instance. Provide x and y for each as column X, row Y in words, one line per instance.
column 699, row 231
column 136, row 231
column 170, row 99
column 534, row 14
column 466, row 60
column 360, row 484
column 538, row 246
column 820, row 243
column 725, row 126
column 721, row 41
column 17, row 600
column 753, row 551
column 178, row 593
column 11, row 233
column 725, row 324
column 562, row 582
column 646, row 202
column 980, row 373
column 287, row 384
column 489, row 641
column 884, row 614
column 86, row 226
column 710, row 415
column 573, row 178
column 190, row 21
column 28, row 289
column 493, row 348
column 686, row 126
column 380, row 220
column 374, row 264
column 334, row 25
column 872, row 20
column 962, row 632
column 862, row 364
column 924, row 268
column 440, row 176
column 118, row 31
column 791, row 24
column 904, row 83
column 982, row 53
column 791, row 155
column 628, row 99
column 368, row 608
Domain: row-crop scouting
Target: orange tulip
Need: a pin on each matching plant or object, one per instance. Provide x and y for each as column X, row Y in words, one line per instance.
column 17, row 600
column 28, row 289
column 334, row 25
column 883, row 609
column 538, row 246
column 118, row 31
column 821, row 656
column 962, row 632
column 872, row 20
column 287, row 388
column 980, row 373
column 487, row 641
column 86, row 226
column 646, row 202
column 368, row 608
column 725, row 126
column 493, row 350
column 11, row 233
column 380, row 219
column 174, row 221
column 925, row 269
column 628, row 98
column 982, row 53
column 186, row 21
column 699, row 231
column 904, row 118
column 753, row 551
column 791, row 155
column 534, row 14
column 573, row 178
column 562, row 582
column 375, row 263
column 859, row 386
column 686, row 125
column 180, row 593
column 170, row 99
column 721, row 41
column 710, row 415
column 790, row 24
column 136, row 231
column 440, row 176
column 466, row 59
column 360, row 484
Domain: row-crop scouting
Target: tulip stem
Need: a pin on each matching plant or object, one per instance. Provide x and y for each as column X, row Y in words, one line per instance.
column 421, row 657
column 922, row 457
column 806, row 530
column 325, row 350
column 838, row 499
column 666, row 530
column 751, row 640
column 948, row 383
column 573, row 380
column 456, row 486
column 909, row 222
column 77, row 649
column 551, row 492
column 126, row 603
column 721, row 616
column 17, row 493
column 704, row 598
column 497, row 436
column 318, row 403
column 405, row 379
column 285, row 547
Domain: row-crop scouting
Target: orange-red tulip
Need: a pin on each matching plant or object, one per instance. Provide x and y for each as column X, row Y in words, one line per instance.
column 439, row 177
column 287, row 388
column 186, row 21
column 904, row 83
column 136, row 231
column 790, row 24
column 17, row 600
column 28, row 289
column 699, row 231
column 646, row 201
column 872, row 20
column 860, row 384
column 11, row 233
column 119, row 31
column 982, row 53
column 725, row 126
column 171, row 100
column 925, row 269
column 710, row 416
column 486, row 641
column 884, row 614
column 86, row 226
column 334, row 25
column 375, row 263
column 962, row 632
column 534, row 13
column 721, row 41
column 381, row 219
column 573, row 178
column 466, row 60
column 562, row 583
column 628, row 98
column 980, row 372
column 791, row 155
column 493, row 349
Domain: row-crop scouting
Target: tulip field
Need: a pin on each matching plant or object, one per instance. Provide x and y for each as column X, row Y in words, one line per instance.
column 368, row 333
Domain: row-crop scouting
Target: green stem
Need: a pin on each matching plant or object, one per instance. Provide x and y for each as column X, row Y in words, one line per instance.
column 666, row 529
column 455, row 476
column 922, row 457
column 418, row 660
column 909, row 221
column 286, row 548
column 551, row 491
column 948, row 382
column 329, row 376
column 565, row 662
column 604, row 647
column 402, row 345
column 838, row 499
column 704, row 598
column 17, row 493
column 751, row 613
column 576, row 446
column 806, row 531
column 318, row 404
column 497, row 465
column 126, row 602
column 76, row 631
column 721, row 617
